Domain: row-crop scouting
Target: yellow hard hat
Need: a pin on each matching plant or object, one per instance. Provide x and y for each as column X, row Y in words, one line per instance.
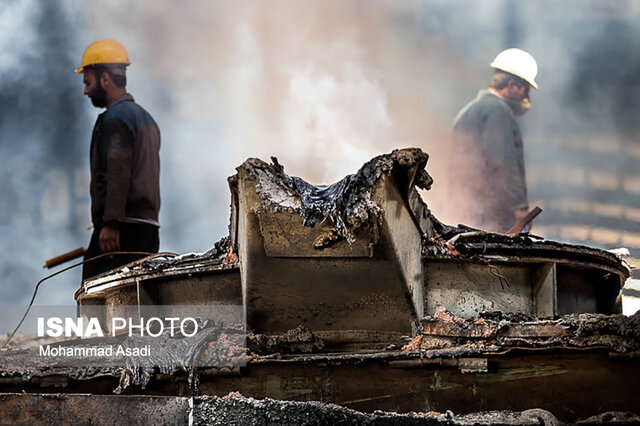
column 104, row 52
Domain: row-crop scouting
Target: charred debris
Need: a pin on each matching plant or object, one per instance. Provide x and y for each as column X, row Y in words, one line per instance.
column 355, row 294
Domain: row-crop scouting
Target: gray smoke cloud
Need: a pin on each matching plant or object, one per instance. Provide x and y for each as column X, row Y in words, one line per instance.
column 42, row 159
column 582, row 137
column 322, row 85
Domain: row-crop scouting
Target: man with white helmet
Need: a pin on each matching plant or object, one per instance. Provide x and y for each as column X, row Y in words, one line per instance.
column 487, row 171
column 124, row 161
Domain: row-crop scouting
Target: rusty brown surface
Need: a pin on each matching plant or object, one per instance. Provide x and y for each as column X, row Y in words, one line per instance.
column 230, row 257
column 617, row 333
column 462, row 381
column 355, row 282
column 468, row 242
column 298, row 340
column 339, row 261
column 315, row 229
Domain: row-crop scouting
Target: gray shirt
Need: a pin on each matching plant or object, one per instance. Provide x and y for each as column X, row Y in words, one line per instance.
column 488, row 160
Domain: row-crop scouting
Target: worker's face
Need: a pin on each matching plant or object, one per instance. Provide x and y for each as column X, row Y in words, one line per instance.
column 93, row 88
column 519, row 97
column 516, row 92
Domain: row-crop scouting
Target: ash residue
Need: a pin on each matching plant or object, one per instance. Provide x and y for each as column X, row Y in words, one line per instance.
column 455, row 241
column 212, row 346
column 220, row 248
column 438, row 247
column 26, row 375
column 234, row 409
column 507, row 317
column 457, row 351
column 611, row 418
column 297, row 340
column 221, row 253
column 465, row 242
column 346, row 203
column 620, row 333
column 495, row 330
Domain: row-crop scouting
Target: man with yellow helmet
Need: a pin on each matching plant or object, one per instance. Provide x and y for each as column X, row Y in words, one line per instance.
column 124, row 161
column 487, row 171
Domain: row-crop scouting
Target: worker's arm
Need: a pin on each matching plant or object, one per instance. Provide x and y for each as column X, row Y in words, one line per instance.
column 118, row 144
column 505, row 158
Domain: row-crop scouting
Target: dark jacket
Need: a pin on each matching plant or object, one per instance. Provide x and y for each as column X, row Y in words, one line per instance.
column 488, row 159
column 125, row 164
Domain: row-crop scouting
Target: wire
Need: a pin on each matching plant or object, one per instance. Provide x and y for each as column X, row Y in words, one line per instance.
column 493, row 269
column 35, row 291
column 496, row 272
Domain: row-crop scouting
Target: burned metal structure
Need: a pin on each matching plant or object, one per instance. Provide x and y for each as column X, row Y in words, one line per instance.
column 364, row 254
column 355, row 294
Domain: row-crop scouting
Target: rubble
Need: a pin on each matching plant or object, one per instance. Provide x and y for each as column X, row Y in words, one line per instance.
column 610, row 418
column 235, row 409
column 355, row 294
column 492, row 330
column 216, row 346
column 221, row 253
column 238, row 410
column 464, row 242
column 297, row 340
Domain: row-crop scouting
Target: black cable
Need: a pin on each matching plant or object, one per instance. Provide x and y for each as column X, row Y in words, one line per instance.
column 35, row 291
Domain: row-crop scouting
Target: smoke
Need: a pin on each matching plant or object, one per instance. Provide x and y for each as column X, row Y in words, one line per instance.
column 604, row 80
column 40, row 147
column 581, row 135
column 322, row 85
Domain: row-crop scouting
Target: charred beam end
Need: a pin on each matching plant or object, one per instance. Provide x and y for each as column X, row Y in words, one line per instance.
column 347, row 203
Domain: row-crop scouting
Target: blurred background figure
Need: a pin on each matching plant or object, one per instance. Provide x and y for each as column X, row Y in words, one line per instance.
column 487, row 168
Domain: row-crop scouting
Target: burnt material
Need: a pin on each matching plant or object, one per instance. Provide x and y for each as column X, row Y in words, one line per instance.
column 237, row 409
column 213, row 346
column 334, row 257
column 519, row 273
column 348, row 203
column 298, row 340
column 494, row 330
column 344, row 289
column 337, row 258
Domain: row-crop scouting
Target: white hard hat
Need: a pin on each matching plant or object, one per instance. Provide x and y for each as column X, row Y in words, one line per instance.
column 519, row 63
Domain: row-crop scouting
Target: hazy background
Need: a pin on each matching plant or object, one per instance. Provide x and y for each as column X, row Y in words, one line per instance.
column 322, row 85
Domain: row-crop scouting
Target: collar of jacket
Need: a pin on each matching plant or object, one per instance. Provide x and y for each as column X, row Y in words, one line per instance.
column 517, row 107
column 121, row 98
column 488, row 92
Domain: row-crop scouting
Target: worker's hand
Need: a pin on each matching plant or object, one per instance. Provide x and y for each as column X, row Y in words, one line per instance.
column 520, row 214
column 110, row 237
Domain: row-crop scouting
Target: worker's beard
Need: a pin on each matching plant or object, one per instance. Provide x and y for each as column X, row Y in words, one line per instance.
column 98, row 96
column 519, row 107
